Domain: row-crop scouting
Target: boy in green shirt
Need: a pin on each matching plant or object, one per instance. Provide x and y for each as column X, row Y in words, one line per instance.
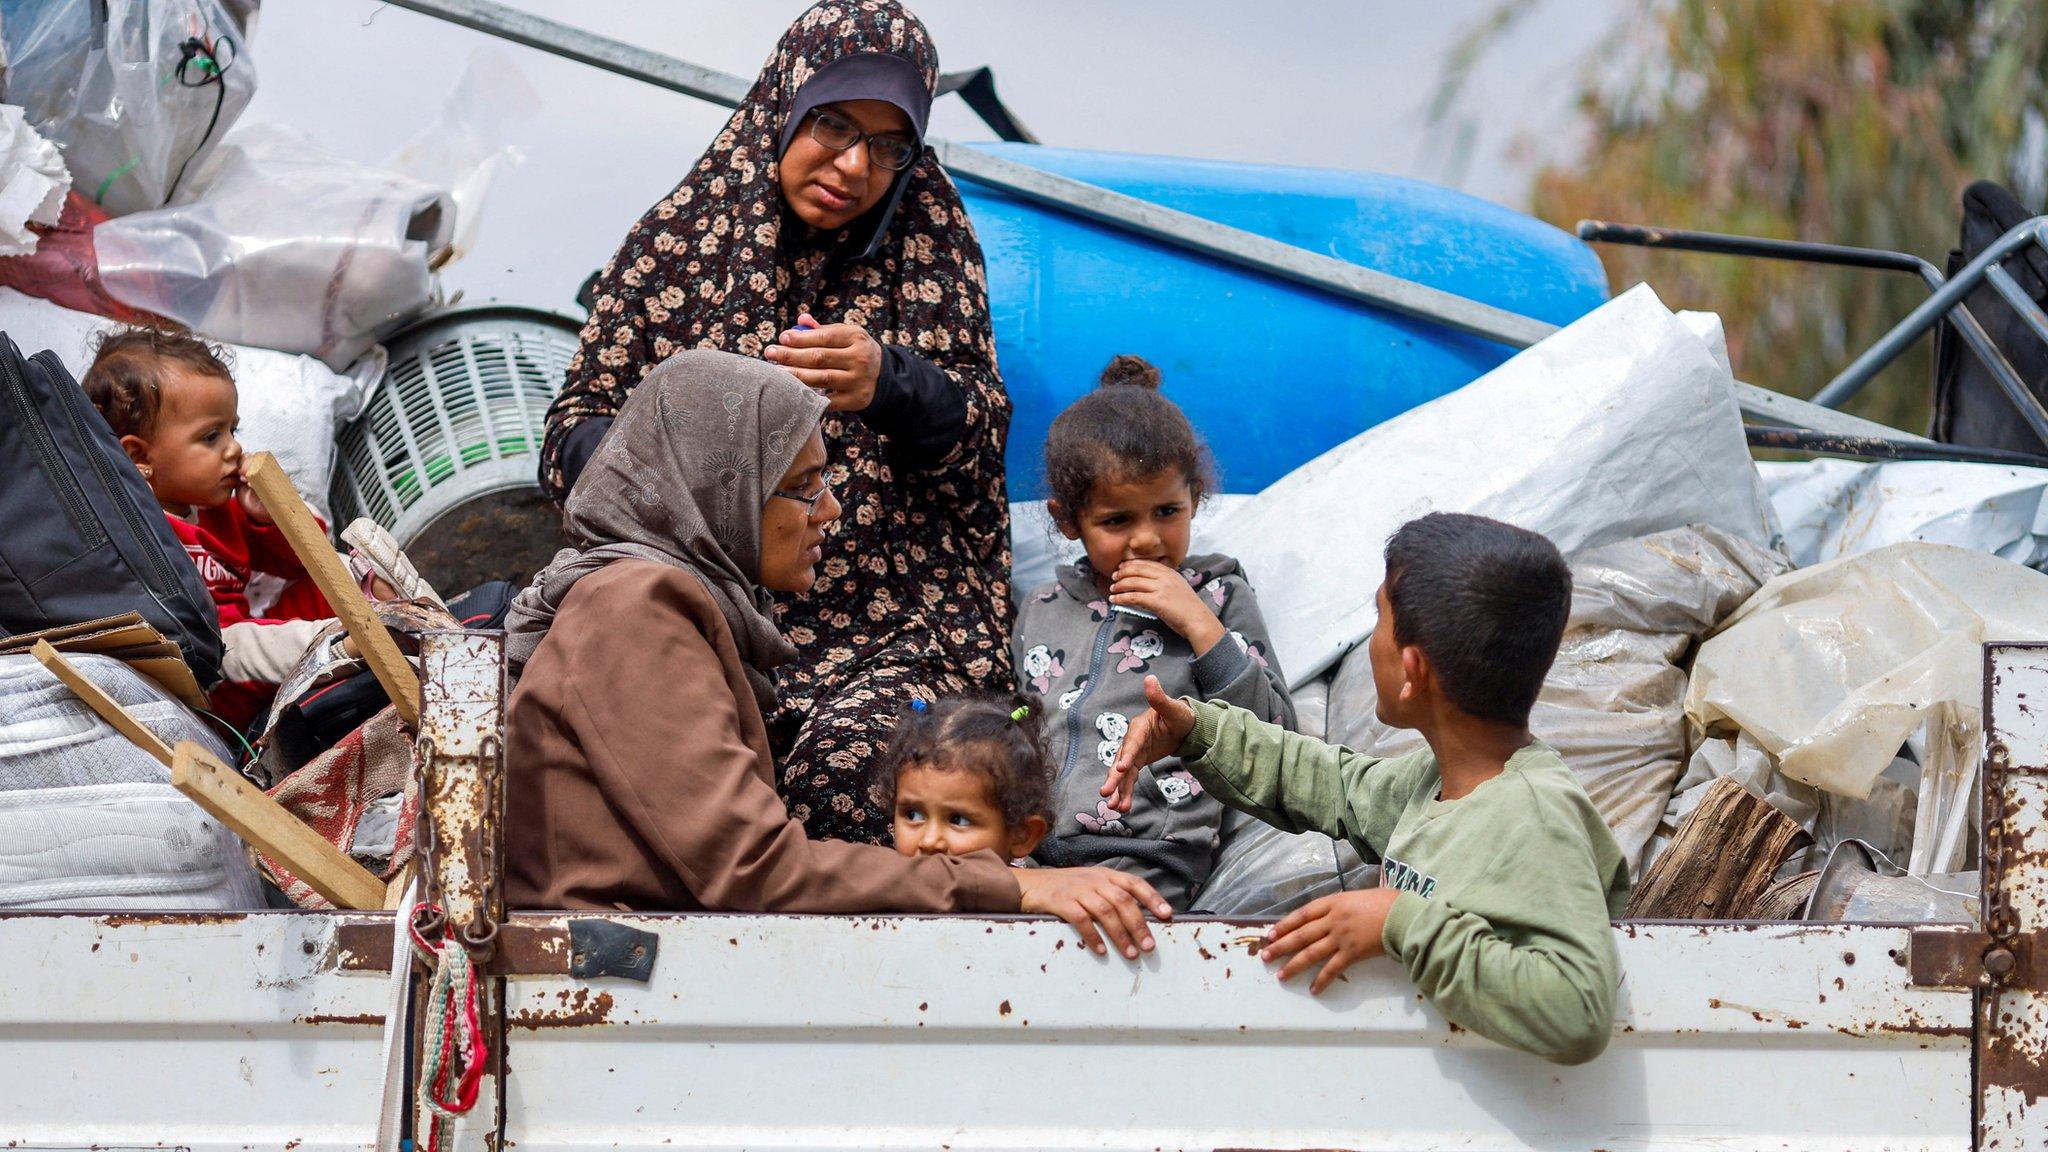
column 1498, row 876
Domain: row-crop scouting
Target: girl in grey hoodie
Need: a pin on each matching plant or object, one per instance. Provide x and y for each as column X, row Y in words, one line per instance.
column 1127, row 472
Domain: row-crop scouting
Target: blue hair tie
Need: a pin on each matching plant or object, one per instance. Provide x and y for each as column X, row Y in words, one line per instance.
column 917, row 704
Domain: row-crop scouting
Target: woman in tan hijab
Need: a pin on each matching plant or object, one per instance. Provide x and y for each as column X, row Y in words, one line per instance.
column 641, row 777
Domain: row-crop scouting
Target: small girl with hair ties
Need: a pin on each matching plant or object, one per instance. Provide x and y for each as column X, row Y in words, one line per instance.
column 1127, row 472
column 967, row 774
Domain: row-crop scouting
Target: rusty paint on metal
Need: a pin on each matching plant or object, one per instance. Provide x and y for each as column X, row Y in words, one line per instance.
column 523, row 948
column 169, row 919
column 460, row 750
column 371, row 1019
column 2012, row 1000
column 580, row 1009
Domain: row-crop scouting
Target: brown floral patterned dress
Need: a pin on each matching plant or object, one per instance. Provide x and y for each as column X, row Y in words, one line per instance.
column 913, row 593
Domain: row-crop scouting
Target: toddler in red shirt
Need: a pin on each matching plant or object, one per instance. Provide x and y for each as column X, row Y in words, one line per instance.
column 171, row 400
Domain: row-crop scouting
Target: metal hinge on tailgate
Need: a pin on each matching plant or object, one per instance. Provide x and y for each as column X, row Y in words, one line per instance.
column 1958, row 958
column 582, row 947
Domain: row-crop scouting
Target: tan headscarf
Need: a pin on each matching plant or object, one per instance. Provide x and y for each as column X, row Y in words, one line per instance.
column 681, row 479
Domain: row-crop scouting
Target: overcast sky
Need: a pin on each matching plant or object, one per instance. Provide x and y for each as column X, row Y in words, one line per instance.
column 1334, row 83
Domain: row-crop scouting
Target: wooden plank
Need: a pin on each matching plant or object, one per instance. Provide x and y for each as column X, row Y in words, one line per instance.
column 272, row 830
column 1721, row 860
column 307, row 539
column 394, row 892
column 97, row 699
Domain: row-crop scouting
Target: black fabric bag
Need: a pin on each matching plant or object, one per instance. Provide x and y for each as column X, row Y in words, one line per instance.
column 81, row 537
column 317, row 720
column 1969, row 406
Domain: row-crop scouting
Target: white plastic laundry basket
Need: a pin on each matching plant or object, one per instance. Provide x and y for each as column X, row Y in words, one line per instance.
column 445, row 455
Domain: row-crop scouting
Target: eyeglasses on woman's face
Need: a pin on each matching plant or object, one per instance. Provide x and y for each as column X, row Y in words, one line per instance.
column 888, row 150
column 808, row 500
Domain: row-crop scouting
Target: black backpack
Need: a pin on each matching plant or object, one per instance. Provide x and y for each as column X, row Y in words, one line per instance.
column 81, row 537
column 1969, row 405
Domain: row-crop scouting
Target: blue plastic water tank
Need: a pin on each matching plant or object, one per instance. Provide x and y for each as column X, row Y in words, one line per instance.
column 1271, row 373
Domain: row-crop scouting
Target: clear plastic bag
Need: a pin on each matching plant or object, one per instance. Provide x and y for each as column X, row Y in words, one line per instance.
column 284, row 246
column 1831, row 669
column 136, row 92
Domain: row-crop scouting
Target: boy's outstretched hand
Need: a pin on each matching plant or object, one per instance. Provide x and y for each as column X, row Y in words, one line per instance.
column 1156, row 735
column 1336, row 932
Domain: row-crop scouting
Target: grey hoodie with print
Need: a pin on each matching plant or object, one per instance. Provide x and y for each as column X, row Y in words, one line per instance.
column 1090, row 664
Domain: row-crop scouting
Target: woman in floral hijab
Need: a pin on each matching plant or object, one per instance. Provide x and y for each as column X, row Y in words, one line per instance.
column 819, row 233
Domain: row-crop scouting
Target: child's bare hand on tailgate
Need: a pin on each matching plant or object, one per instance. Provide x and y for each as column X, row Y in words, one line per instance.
column 1165, row 593
column 1335, row 932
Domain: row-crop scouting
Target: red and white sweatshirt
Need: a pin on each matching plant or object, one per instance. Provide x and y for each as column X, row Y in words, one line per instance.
column 228, row 547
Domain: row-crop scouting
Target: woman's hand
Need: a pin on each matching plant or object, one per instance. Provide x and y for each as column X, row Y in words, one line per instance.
column 1154, row 736
column 840, row 360
column 1089, row 898
column 1336, row 932
column 1166, row 593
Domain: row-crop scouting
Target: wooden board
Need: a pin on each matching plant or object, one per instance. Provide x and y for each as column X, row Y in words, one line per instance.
column 309, row 541
column 272, row 830
column 97, row 699
column 1721, row 860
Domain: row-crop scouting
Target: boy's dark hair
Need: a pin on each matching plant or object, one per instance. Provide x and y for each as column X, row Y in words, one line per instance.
column 126, row 380
column 1486, row 602
column 1125, row 429
column 977, row 734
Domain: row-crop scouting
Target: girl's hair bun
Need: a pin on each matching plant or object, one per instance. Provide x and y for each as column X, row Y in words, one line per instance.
column 1134, row 371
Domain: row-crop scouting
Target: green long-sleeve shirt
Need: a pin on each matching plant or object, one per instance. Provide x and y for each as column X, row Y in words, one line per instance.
column 1506, row 893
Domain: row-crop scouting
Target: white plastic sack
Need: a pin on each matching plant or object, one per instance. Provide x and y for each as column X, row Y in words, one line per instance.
column 1832, row 508
column 1613, row 703
column 33, row 180
column 1262, row 871
column 114, row 84
column 87, row 819
column 291, row 406
column 279, row 244
column 1830, row 669
column 1622, row 424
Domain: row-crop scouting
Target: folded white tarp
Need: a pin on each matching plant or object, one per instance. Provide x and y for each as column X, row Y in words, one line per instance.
column 291, row 406
column 1622, row 424
column 1832, row 508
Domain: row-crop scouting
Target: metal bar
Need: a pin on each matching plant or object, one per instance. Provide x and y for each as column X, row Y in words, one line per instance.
column 2020, row 301
column 1246, row 249
column 2012, row 1013
column 573, row 43
column 461, row 752
column 2007, row 377
column 1724, row 244
column 978, row 90
column 1889, row 346
column 1110, row 209
column 1679, row 240
column 1883, row 448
